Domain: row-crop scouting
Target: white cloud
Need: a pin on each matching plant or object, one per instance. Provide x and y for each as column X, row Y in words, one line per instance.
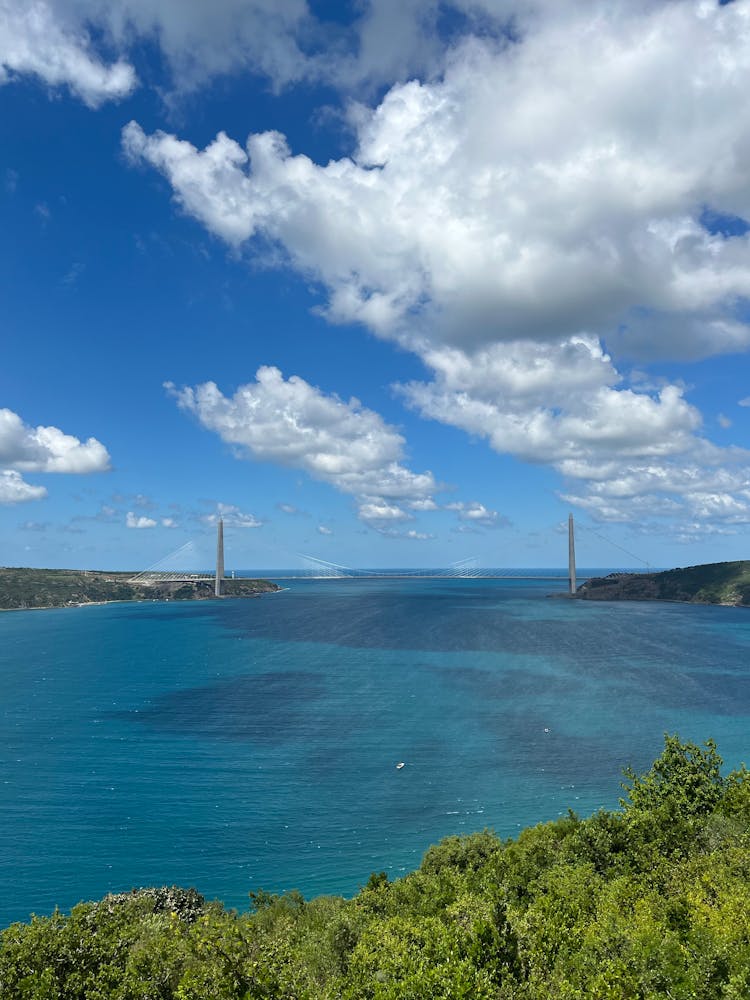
column 291, row 423
column 744, row 402
column 169, row 522
column 422, row 505
column 626, row 453
column 418, row 536
column 379, row 510
column 477, row 514
column 38, row 38
column 233, row 517
column 205, row 38
column 411, row 535
column 705, row 487
column 385, row 41
column 551, row 404
column 135, row 521
column 287, row 508
column 47, row 449
column 13, row 489
column 323, row 530
column 724, row 421
column 512, row 198
column 41, row 449
column 503, row 217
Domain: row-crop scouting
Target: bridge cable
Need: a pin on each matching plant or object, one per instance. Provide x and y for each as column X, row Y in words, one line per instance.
column 609, row 541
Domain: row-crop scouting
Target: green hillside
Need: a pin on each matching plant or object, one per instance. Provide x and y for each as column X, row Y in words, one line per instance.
column 650, row 902
column 712, row 583
column 57, row 588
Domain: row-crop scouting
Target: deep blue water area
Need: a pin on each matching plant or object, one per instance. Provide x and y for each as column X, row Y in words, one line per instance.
column 240, row 744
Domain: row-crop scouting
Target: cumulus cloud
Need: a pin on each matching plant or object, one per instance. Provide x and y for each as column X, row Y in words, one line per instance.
column 292, row 423
column 477, row 514
column 135, row 521
column 47, row 449
column 627, row 455
column 505, row 217
column 286, row 42
column 324, row 530
column 378, row 511
column 744, row 402
column 552, row 404
column 510, row 198
column 423, row 505
column 51, row 43
column 383, row 41
column 233, row 517
column 206, row 38
column 703, row 487
column 14, row 489
column 41, row 449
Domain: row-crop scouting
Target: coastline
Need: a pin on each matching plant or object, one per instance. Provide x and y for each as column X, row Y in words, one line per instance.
column 724, row 584
column 143, row 600
column 23, row 589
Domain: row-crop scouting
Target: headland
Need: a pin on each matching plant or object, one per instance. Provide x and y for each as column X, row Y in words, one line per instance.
column 726, row 583
column 23, row 588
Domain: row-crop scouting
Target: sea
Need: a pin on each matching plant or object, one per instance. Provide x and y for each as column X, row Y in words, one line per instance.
column 238, row 745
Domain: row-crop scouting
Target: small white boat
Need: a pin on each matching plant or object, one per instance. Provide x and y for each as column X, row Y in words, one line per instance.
column 400, row 765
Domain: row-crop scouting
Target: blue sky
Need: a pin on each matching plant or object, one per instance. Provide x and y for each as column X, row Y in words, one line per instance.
column 381, row 283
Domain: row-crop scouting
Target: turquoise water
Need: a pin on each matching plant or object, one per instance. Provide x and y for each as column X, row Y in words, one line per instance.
column 238, row 744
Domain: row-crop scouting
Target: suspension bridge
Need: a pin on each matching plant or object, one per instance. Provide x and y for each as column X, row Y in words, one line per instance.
column 314, row 568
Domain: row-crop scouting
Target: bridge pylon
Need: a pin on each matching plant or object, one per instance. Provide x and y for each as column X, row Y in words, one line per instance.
column 219, row 579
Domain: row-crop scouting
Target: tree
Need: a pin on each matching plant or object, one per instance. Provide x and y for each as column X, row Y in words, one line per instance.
column 685, row 776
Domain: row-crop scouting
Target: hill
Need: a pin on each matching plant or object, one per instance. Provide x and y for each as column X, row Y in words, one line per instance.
column 651, row 901
column 712, row 583
column 58, row 588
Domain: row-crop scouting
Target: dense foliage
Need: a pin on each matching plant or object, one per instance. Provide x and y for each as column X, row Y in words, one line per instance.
column 55, row 588
column 651, row 901
column 711, row 583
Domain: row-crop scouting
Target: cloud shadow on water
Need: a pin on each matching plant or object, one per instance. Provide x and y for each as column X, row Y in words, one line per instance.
column 266, row 709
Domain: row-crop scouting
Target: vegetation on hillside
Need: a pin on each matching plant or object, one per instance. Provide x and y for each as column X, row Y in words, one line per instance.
column 651, row 901
column 57, row 588
column 712, row 583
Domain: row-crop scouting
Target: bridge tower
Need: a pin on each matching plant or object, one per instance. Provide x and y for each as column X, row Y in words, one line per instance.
column 219, row 557
column 571, row 555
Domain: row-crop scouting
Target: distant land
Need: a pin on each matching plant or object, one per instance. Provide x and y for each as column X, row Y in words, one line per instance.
column 60, row 588
column 713, row 583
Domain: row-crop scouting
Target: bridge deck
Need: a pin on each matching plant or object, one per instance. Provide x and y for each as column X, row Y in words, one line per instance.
column 147, row 578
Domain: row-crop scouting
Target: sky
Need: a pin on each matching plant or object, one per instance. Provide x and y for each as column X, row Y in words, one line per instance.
column 381, row 282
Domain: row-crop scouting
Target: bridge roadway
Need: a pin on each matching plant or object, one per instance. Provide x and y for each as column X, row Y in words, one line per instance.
column 427, row 574
column 434, row 575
